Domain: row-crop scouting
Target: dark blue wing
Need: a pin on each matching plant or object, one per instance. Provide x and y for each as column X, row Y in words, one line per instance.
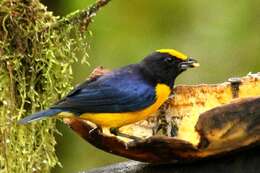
column 121, row 91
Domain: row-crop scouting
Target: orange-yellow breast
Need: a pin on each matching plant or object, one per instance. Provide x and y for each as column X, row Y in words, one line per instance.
column 119, row 119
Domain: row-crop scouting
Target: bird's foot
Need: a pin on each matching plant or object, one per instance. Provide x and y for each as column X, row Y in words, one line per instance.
column 116, row 132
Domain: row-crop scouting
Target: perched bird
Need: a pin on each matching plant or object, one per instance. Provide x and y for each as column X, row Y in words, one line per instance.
column 125, row 95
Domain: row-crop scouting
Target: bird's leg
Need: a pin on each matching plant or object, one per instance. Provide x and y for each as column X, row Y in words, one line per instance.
column 116, row 132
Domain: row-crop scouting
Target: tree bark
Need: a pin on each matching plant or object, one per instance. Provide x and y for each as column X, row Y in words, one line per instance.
column 247, row 161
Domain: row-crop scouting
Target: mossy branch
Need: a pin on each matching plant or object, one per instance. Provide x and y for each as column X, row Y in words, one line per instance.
column 82, row 17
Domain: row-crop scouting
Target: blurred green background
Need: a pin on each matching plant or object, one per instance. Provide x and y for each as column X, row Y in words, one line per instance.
column 223, row 35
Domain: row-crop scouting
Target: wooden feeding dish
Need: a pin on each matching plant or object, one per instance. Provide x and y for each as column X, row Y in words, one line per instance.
column 198, row 121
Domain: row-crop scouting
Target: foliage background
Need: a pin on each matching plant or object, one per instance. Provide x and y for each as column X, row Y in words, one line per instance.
column 223, row 35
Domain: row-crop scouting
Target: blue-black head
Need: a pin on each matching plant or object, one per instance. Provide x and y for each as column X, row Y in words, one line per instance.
column 164, row 65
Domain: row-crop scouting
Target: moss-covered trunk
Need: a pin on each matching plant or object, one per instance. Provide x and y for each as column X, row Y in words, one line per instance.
column 34, row 72
column 36, row 54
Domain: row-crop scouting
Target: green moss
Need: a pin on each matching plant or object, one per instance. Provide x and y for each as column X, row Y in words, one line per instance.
column 35, row 71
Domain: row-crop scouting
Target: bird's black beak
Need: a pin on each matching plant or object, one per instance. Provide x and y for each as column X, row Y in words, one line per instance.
column 189, row 63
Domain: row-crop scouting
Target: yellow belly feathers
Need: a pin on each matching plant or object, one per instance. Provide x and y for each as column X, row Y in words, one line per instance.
column 108, row 120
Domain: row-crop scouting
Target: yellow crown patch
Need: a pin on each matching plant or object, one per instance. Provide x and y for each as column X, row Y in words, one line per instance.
column 173, row 52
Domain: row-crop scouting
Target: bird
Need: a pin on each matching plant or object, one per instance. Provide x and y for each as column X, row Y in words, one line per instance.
column 124, row 95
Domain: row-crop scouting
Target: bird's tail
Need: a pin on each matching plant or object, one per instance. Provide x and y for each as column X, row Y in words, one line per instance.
column 39, row 115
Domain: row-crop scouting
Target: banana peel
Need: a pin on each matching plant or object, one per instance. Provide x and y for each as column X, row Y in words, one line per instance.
column 198, row 121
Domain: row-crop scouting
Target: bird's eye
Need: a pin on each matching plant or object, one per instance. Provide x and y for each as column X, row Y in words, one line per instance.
column 168, row 59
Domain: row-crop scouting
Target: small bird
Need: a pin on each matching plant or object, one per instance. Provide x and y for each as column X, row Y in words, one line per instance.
column 122, row 96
